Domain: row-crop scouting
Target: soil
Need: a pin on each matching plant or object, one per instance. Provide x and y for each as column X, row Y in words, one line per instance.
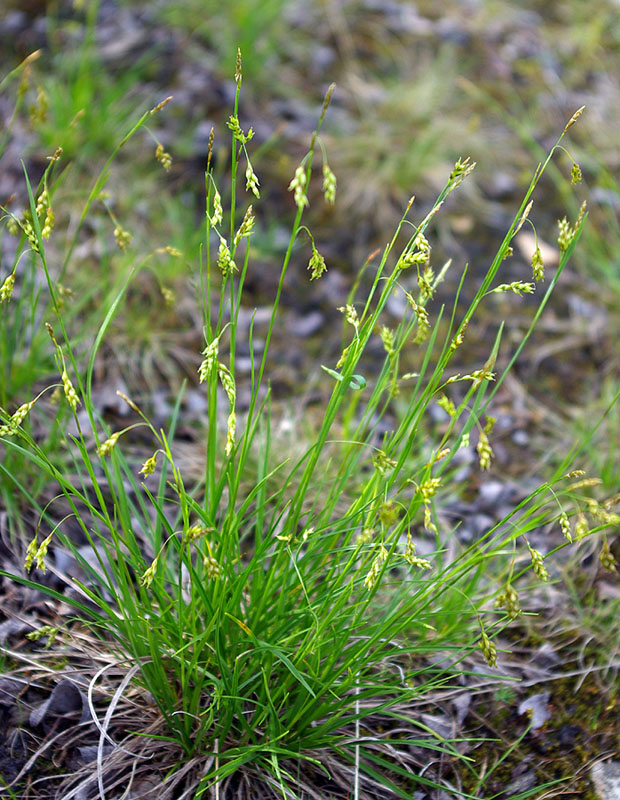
column 579, row 705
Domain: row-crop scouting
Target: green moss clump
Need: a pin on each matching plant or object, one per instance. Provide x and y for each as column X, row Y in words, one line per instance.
column 582, row 725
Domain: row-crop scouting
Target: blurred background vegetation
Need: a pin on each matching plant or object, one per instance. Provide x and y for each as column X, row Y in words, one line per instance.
column 418, row 85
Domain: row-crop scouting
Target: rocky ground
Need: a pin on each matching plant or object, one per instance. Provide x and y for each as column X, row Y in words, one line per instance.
column 416, row 86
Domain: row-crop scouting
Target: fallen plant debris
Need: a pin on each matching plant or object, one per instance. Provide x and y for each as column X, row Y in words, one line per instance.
column 269, row 620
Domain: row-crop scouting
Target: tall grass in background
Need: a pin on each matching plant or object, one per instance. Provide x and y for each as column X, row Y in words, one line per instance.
column 276, row 611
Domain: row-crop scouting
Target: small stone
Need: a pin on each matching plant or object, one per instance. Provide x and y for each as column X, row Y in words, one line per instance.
column 537, row 707
column 491, row 493
column 606, row 779
column 520, row 438
column 306, row 325
column 501, row 186
column 481, row 523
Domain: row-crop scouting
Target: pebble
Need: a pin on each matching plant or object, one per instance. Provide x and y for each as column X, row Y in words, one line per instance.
column 480, row 524
column 537, row 708
column 520, row 438
column 606, row 779
column 491, row 493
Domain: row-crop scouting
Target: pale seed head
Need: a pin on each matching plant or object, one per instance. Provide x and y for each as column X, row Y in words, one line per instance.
column 239, row 135
column 42, row 552
column 6, row 290
column 210, row 147
column 31, row 553
column 485, row 451
column 228, row 382
column 106, row 448
column 509, row 600
column 411, row 557
column 230, row 434
column 246, row 227
column 426, row 283
column 224, row 259
column 538, row 564
column 462, row 168
column 20, row 415
column 316, row 264
column 48, row 225
column 489, row 650
column 459, row 337
column 428, row 519
column 438, row 456
column 195, row 532
column 526, row 214
column 251, row 181
column 424, row 325
column 388, row 513
column 350, row 314
column 146, row 579
column 574, row 118
column 238, row 69
column 387, row 337
column 365, row 536
column 160, row 105
column 565, row 527
column 580, row 216
column 122, row 238
column 209, row 361
column 212, row 568
column 217, row 216
column 13, row 226
column 382, row 462
column 607, row 558
column 168, row 295
column 27, row 228
column 343, row 356
column 429, row 488
column 298, row 187
column 517, row 287
column 44, row 630
column 148, row 468
column 70, row 393
column 584, row 483
column 329, row 185
column 38, row 110
column 538, row 268
column 132, row 405
column 42, row 202
column 164, row 158
column 171, row 251
column 443, row 401
column 581, row 526
column 375, row 568
column 479, row 375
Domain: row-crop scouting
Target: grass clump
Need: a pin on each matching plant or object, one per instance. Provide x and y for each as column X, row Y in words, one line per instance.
column 274, row 614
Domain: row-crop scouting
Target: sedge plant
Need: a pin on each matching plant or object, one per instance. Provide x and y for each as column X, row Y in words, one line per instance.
column 275, row 612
